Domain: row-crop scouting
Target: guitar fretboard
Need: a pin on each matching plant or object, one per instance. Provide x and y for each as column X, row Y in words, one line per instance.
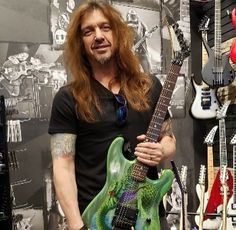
column 217, row 38
column 140, row 170
column 222, row 147
column 210, row 167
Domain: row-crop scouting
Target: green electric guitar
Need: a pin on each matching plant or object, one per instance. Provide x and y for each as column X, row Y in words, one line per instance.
column 129, row 199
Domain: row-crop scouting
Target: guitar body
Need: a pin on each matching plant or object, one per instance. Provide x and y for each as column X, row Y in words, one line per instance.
column 205, row 103
column 208, row 223
column 217, row 77
column 215, row 200
column 145, row 196
column 231, row 210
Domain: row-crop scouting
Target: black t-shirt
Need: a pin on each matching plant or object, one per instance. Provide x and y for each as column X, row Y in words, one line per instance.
column 93, row 140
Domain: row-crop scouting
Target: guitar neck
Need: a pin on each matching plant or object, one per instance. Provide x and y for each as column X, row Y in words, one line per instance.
column 224, row 211
column 140, row 170
column 201, row 214
column 210, row 168
column 217, row 38
column 184, row 212
column 158, row 117
column 223, row 148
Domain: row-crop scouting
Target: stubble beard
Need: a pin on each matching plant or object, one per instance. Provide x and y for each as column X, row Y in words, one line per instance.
column 103, row 60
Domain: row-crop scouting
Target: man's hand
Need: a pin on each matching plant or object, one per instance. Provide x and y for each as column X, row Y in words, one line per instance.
column 149, row 153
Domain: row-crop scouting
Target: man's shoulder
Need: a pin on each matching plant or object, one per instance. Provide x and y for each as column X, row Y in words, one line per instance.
column 64, row 94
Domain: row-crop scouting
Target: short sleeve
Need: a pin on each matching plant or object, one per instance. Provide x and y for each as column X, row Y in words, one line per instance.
column 63, row 114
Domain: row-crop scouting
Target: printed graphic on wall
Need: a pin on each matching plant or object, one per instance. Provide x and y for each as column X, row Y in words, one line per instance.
column 60, row 16
column 30, row 75
column 30, row 80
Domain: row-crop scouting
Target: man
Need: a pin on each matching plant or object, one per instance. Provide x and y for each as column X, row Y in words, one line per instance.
column 108, row 97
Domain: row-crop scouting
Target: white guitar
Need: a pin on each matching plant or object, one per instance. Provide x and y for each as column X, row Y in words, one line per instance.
column 205, row 104
column 200, row 188
column 231, row 220
column 208, row 223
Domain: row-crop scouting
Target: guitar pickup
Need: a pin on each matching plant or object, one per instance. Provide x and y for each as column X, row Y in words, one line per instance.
column 206, row 102
column 127, row 219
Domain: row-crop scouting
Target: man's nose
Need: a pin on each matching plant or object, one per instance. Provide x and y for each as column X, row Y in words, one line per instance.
column 98, row 35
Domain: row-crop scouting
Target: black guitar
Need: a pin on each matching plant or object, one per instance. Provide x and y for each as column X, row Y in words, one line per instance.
column 217, row 72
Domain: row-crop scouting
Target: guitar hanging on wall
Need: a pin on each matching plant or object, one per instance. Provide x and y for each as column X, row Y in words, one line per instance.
column 215, row 203
column 208, row 223
column 205, row 103
column 217, row 72
column 129, row 199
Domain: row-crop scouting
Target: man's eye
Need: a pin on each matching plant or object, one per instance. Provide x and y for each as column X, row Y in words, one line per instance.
column 106, row 28
column 87, row 33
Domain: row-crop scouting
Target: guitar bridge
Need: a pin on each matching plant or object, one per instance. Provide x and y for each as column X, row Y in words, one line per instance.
column 125, row 217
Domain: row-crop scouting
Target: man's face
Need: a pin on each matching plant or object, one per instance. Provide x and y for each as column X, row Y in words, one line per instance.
column 97, row 37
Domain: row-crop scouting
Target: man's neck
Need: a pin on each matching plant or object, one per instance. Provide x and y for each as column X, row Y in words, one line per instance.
column 105, row 74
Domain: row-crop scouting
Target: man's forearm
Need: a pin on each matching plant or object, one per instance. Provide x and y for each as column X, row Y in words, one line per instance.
column 66, row 191
column 63, row 153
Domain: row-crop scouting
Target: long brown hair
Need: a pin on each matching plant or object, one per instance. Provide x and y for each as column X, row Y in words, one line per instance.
column 134, row 83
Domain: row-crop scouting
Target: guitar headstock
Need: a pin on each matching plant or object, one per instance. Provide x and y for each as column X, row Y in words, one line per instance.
column 180, row 47
column 209, row 140
column 222, row 112
column 203, row 26
column 202, row 175
column 233, row 140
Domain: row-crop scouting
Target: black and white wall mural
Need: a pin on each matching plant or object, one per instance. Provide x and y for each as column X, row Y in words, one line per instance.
column 32, row 71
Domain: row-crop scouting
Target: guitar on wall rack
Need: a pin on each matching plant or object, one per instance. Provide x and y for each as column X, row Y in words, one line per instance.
column 208, row 223
column 217, row 72
column 205, row 103
column 215, row 203
column 231, row 220
column 129, row 199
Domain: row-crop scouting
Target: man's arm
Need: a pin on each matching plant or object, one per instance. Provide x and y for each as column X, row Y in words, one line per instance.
column 63, row 153
column 167, row 140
